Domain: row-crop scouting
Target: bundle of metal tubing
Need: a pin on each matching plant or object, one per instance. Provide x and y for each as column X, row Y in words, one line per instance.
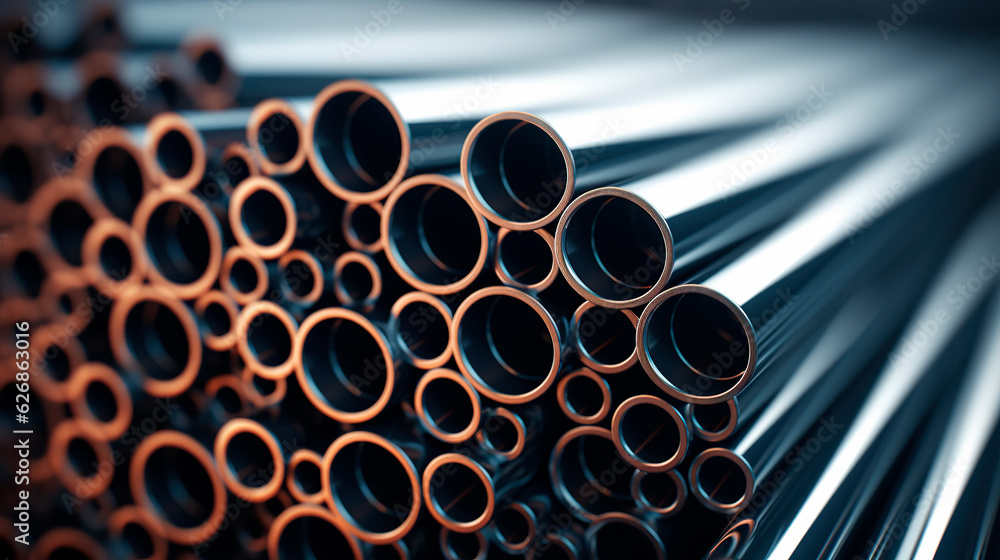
column 599, row 304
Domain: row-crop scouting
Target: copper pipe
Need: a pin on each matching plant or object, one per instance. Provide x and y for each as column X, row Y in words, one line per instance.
column 98, row 394
column 176, row 154
column 263, row 217
column 515, row 526
column 80, row 457
column 226, row 399
column 433, row 238
column 462, row 546
column 174, row 478
column 605, row 338
column 523, row 265
column 713, row 422
column 113, row 256
column 56, row 355
column 649, row 433
column 27, row 260
column 183, row 240
column 661, row 493
column 461, row 497
column 305, row 476
column 76, row 306
column 246, row 451
column 243, row 276
column 373, row 485
column 64, row 208
column 266, row 335
column 447, row 406
column 110, row 88
column 276, row 136
column 502, row 432
column 494, row 330
column 25, row 165
column 235, row 164
column 135, row 534
column 357, row 281
column 216, row 312
column 300, row 277
column 207, row 72
column 420, row 325
column 361, row 225
column 308, row 530
column 65, row 540
column 112, row 161
column 346, row 367
column 584, row 397
column 261, row 391
column 154, row 333
column 619, row 535
column 588, row 475
column 24, row 93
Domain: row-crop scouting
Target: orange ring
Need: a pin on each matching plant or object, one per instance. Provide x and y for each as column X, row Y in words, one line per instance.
column 64, row 469
column 219, row 343
column 243, row 324
column 564, row 404
column 261, row 113
column 240, row 195
column 307, row 510
column 156, row 130
column 133, row 515
column 232, row 256
column 516, row 421
column 357, row 257
column 225, row 436
column 394, row 315
column 626, row 452
column 81, row 379
column 585, row 356
column 429, row 424
column 294, row 488
column 504, row 275
column 313, row 264
column 93, row 243
column 65, row 537
column 480, row 472
column 349, row 233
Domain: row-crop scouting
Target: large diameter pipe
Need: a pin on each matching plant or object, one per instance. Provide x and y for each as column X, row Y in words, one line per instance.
column 734, row 302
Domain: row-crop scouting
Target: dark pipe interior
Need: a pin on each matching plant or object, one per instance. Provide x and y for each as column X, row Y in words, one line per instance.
column 525, row 257
column 421, row 328
column 356, row 281
column 243, row 276
column 357, row 141
column 269, row 339
column 157, row 340
column 584, row 396
column 101, row 401
column 250, row 459
column 371, row 486
column 313, row 537
column 617, row 539
column 512, row 525
column 460, row 494
column 17, row 178
column 722, row 480
column 101, row 97
column 278, row 138
column 175, row 154
column 659, row 490
column 137, row 540
column 308, row 476
column 650, row 433
column 447, row 405
column 68, row 223
column 606, row 335
column 116, row 258
column 178, row 242
column 344, row 364
column 264, row 218
column 365, row 222
column 217, row 319
column 118, row 181
column 179, row 487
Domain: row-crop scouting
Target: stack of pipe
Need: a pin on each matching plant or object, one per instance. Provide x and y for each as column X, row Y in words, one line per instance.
column 598, row 304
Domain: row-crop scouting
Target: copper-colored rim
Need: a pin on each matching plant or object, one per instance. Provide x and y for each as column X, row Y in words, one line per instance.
column 59, row 537
column 243, row 325
column 294, row 488
column 458, row 349
column 330, row 497
column 319, row 166
column 84, row 487
column 308, row 510
column 238, row 150
column 219, row 343
column 567, row 407
column 308, row 386
column 132, row 515
column 233, row 383
column 429, row 424
column 505, row 276
column 93, row 242
column 225, row 436
column 156, row 130
column 258, row 117
column 661, row 380
column 137, row 485
column 27, row 238
column 642, row 501
column 396, row 260
column 104, row 139
column 529, row 515
column 255, row 396
column 123, row 354
column 356, row 257
column 55, row 334
column 476, row 198
column 435, row 509
column 449, row 552
column 519, row 427
column 80, row 381
column 730, row 541
column 713, row 435
column 144, row 212
column 570, row 275
column 555, row 473
column 21, row 83
column 703, row 496
column 585, row 356
column 234, row 255
column 394, row 316
column 71, row 284
column 628, row 454
column 55, row 191
column 315, row 268
column 351, row 236
column 210, row 96
column 619, row 517
column 240, row 196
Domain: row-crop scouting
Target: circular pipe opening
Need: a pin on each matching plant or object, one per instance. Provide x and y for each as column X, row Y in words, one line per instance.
column 363, row 226
column 82, row 457
column 308, row 477
column 118, row 180
column 243, row 276
column 180, row 244
column 101, row 96
column 211, row 66
column 346, row 368
column 30, row 272
column 260, row 218
column 663, row 493
column 526, row 259
column 605, row 338
column 588, row 475
column 649, row 433
column 263, row 217
column 116, row 258
column 267, row 339
column 502, row 432
column 519, row 171
column 68, row 224
column 217, row 318
column 434, row 239
column 421, row 325
column 175, row 154
column 515, row 526
column 722, row 480
column 101, row 401
column 584, row 397
column 301, row 276
column 310, row 531
column 250, row 458
column 699, row 346
column 356, row 282
column 463, row 546
column 373, row 484
column 614, row 248
column 360, row 145
column 618, row 535
column 460, row 496
column 506, row 344
column 447, row 405
column 17, row 177
column 278, row 138
column 715, row 421
column 137, row 540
